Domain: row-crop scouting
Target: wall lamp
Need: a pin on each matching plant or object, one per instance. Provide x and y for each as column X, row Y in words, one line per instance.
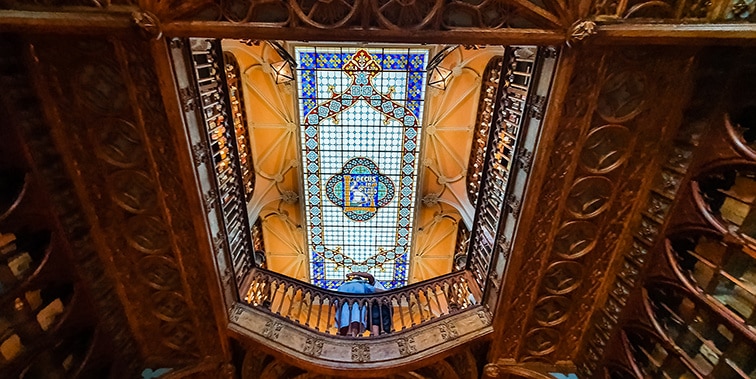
column 283, row 70
column 438, row 77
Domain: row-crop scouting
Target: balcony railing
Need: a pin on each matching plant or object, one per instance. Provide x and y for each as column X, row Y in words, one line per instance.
column 382, row 312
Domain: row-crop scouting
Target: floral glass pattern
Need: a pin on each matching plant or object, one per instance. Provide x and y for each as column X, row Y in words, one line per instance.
column 361, row 115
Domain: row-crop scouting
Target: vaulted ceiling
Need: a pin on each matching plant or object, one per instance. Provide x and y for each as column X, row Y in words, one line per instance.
column 441, row 198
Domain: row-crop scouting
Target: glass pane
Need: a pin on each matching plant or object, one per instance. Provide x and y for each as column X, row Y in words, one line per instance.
column 361, row 112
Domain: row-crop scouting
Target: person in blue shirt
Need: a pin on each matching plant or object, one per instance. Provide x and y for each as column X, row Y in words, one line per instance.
column 351, row 319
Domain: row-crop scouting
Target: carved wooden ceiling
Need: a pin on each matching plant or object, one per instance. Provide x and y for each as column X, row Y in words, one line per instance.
column 607, row 168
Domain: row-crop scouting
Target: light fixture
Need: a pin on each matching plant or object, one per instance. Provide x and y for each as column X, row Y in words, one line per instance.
column 283, row 70
column 438, row 77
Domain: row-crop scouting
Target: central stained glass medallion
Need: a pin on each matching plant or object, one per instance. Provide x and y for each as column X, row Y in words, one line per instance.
column 360, row 189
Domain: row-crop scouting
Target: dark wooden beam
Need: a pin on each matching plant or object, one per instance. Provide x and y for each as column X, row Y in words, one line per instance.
column 214, row 29
column 675, row 34
column 118, row 20
column 80, row 22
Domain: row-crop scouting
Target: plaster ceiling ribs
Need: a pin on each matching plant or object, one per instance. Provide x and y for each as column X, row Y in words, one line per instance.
column 449, row 116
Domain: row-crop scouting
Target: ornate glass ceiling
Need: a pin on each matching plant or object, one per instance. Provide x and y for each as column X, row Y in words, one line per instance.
column 361, row 115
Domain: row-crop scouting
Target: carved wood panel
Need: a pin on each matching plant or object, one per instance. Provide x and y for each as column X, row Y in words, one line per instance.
column 28, row 118
column 371, row 14
column 112, row 129
column 678, row 10
column 704, row 143
column 608, row 134
column 638, row 98
column 461, row 365
column 537, row 245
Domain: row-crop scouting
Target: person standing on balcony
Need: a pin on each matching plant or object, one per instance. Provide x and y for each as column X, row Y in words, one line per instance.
column 351, row 316
column 380, row 312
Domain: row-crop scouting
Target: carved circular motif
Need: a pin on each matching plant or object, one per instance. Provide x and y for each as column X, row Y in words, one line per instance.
column 325, row 14
column 159, row 272
column 132, row 190
column 235, row 10
column 551, row 310
column 575, row 239
column 177, row 335
column 622, row 96
column 485, row 14
column 406, row 14
column 650, row 10
column 147, row 234
column 97, row 89
column 605, row 148
column 169, row 306
column 563, row 277
column 117, row 141
column 541, row 341
column 589, row 196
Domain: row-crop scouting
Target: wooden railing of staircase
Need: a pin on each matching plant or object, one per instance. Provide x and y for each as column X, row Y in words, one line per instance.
column 318, row 309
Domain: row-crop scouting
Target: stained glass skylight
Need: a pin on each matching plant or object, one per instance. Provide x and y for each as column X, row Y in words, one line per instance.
column 361, row 114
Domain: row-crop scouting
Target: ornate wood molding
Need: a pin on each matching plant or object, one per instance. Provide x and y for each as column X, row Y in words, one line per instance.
column 595, row 188
column 28, row 114
column 702, row 141
column 358, row 356
column 111, row 126
column 125, row 20
column 55, row 20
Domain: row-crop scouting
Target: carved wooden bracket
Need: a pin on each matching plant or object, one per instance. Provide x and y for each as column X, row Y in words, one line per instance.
column 580, row 30
column 218, row 241
column 187, row 97
column 513, row 203
column 524, row 158
column 493, row 279
column 148, row 24
column 537, row 106
column 200, row 153
column 209, row 200
column 491, row 371
column 504, row 247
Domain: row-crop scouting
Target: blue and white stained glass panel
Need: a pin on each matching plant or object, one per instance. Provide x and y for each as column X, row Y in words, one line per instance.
column 361, row 114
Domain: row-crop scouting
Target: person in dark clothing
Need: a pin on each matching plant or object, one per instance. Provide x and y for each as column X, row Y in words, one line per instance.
column 381, row 312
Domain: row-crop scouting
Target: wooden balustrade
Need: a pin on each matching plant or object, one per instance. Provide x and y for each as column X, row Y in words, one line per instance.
column 383, row 312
